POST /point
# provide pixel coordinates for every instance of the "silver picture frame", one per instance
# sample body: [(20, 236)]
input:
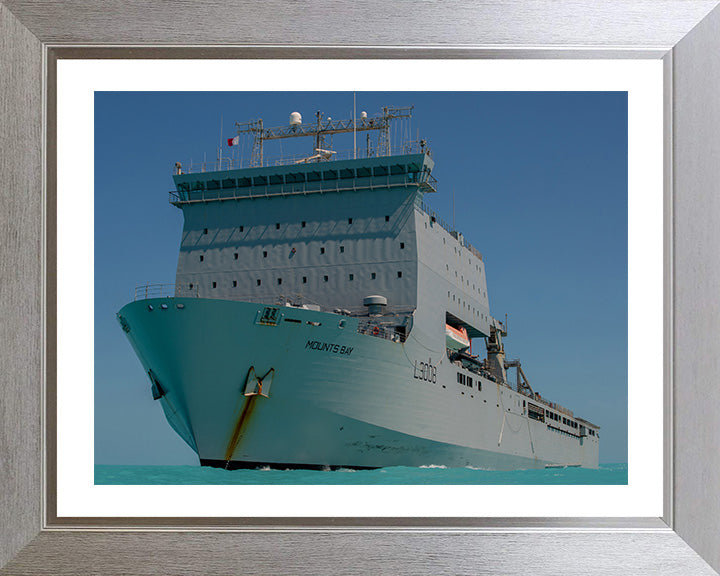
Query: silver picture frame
[(684, 34)]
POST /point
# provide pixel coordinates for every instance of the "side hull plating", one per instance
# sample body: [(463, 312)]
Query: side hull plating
[(324, 395)]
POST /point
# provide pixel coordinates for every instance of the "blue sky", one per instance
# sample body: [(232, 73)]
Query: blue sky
[(540, 185)]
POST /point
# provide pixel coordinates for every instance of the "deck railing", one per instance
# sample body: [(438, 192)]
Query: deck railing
[(225, 163), (449, 229)]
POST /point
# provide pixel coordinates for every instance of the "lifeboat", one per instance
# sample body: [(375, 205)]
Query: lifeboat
[(456, 338)]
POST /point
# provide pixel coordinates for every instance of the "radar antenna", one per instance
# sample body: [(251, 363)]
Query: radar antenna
[(321, 128)]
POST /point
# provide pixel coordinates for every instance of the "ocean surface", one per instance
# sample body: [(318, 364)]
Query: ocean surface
[(606, 474)]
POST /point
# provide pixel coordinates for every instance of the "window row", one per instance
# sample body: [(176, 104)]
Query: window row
[(236, 255), (303, 224), (558, 418), (326, 278), (467, 380)]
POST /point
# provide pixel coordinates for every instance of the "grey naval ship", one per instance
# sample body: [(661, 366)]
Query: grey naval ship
[(323, 317)]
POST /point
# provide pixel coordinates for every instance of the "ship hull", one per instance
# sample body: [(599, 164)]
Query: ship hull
[(331, 397)]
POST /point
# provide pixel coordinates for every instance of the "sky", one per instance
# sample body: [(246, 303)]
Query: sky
[(540, 183)]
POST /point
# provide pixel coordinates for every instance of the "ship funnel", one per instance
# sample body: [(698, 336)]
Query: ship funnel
[(375, 304), (295, 119)]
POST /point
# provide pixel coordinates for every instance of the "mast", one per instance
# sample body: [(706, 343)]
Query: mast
[(322, 128)]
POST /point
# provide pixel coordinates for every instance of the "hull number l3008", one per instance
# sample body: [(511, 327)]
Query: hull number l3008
[(425, 371)]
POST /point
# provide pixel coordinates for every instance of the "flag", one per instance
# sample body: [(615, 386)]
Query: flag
[(234, 141)]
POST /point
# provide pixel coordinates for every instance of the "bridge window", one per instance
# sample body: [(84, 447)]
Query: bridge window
[(279, 281), (351, 277), (259, 282), (234, 283), (277, 225), (402, 245), (325, 278), (205, 231), (302, 224), (342, 249), (349, 220), (387, 218), (399, 274), (373, 276), (304, 279), (242, 228), (214, 284), (202, 258), (322, 250), (190, 286), (264, 253), (235, 255)]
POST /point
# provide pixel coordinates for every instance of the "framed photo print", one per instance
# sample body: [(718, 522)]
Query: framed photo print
[(255, 291)]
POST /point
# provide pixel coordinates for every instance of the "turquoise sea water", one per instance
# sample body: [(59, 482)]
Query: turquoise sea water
[(606, 474)]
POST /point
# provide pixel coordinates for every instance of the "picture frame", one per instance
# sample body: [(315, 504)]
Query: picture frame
[(685, 35)]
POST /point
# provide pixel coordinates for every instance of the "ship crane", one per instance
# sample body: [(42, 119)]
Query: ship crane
[(523, 386), (320, 129)]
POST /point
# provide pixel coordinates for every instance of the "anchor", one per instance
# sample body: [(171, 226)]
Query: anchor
[(256, 385)]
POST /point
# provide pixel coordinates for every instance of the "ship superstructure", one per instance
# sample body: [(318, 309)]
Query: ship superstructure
[(322, 316)]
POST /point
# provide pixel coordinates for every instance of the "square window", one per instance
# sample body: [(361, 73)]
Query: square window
[(264, 254), (234, 283), (399, 274), (325, 278), (402, 245), (351, 277), (235, 255), (304, 279), (373, 275), (259, 282)]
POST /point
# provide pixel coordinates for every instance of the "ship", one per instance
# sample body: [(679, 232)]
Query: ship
[(323, 316)]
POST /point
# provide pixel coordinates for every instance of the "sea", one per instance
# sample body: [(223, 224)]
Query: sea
[(615, 474)]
